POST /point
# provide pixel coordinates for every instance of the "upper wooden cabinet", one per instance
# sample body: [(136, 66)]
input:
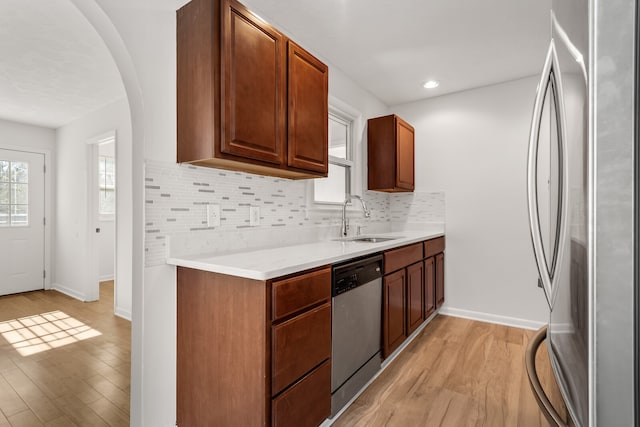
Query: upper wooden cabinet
[(308, 111), (249, 99), (390, 154)]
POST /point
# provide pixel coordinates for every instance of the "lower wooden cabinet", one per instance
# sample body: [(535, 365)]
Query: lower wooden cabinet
[(429, 286), (413, 289), (439, 280), (304, 404), (299, 345), (251, 352), (415, 296), (394, 329)]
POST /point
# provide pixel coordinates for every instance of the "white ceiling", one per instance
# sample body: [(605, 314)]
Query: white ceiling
[(393, 47), (54, 68)]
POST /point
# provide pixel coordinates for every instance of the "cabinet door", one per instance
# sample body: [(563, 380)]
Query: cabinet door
[(307, 111), (429, 286), (415, 286), (394, 312), (404, 155), (439, 280), (307, 403), (253, 86), (298, 345)]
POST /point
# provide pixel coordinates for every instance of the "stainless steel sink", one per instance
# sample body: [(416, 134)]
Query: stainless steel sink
[(370, 239)]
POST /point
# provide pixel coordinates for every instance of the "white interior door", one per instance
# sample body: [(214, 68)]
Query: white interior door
[(21, 221)]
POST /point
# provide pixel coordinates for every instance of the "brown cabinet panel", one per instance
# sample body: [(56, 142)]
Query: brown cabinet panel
[(234, 80), (394, 318), (222, 367), (253, 86), (391, 155), (299, 292), (399, 258), (439, 280), (197, 80), (433, 247), (300, 344), (308, 111), (307, 403), (429, 287), (415, 292), (404, 155)]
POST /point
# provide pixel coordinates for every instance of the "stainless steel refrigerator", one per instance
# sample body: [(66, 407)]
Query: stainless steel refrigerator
[(581, 183)]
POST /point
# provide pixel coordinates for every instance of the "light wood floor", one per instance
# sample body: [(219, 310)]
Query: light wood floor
[(457, 372), (63, 362)]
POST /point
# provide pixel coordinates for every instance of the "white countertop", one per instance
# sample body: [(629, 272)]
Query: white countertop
[(264, 264)]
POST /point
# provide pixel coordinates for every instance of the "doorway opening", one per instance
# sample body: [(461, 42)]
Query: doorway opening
[(88, 347)]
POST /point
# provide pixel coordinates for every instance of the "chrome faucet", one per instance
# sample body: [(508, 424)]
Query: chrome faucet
[(345, 225)]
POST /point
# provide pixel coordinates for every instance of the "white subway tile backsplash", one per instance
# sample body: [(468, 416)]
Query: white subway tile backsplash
[(177, 195)]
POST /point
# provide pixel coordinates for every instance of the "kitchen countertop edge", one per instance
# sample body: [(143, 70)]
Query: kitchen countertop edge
[(274, 262)]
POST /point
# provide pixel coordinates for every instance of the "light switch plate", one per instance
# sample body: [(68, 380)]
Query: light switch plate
[(254, 215), (213, 215)]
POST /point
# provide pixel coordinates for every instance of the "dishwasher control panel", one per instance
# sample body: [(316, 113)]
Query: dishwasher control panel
[(354, 273)]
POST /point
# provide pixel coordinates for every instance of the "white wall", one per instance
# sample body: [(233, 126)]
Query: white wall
[(473, 146), (75, 274), (27, 136), (40, 139), (106, 249)]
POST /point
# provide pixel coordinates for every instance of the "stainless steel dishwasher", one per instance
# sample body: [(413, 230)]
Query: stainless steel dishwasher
[(356, 327)]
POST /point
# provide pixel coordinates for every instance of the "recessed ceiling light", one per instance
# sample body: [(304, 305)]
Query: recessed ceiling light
[(431, 84)]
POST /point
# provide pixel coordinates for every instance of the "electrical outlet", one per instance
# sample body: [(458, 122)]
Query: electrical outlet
[(254, 215), (213, 215)]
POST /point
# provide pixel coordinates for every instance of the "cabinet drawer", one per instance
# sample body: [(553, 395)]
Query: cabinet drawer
[(306, 403), (433, 247), (296, 293), (402, 257), (300, 344)]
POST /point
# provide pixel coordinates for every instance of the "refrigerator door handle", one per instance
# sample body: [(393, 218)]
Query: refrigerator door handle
[(544, 403), (550, 78)]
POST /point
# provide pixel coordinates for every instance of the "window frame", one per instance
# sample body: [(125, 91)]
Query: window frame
[(106, 216), (346, 114), (11, 183)]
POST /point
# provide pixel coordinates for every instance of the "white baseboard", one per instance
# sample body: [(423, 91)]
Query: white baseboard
[(125, 314), (492, 318), (69, 292), (106, 278)]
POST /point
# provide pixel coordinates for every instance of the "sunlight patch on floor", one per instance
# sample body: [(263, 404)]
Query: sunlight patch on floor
[(41, 332)]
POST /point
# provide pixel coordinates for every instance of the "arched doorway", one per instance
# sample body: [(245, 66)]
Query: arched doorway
[(133, 210)]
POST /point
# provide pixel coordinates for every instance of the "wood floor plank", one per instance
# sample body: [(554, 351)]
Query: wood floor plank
[(31, 394), (10, 401), (118, 397), (3, 420), (63, 421), (78, 412), (457, 372), (110, 413), (84, 381), (25, 419)]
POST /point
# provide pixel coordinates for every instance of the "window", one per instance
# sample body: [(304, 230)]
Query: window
[(107, 185), (335, 187), (14, 193)]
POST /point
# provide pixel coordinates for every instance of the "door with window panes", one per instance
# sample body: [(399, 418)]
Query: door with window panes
[(21, 221)]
